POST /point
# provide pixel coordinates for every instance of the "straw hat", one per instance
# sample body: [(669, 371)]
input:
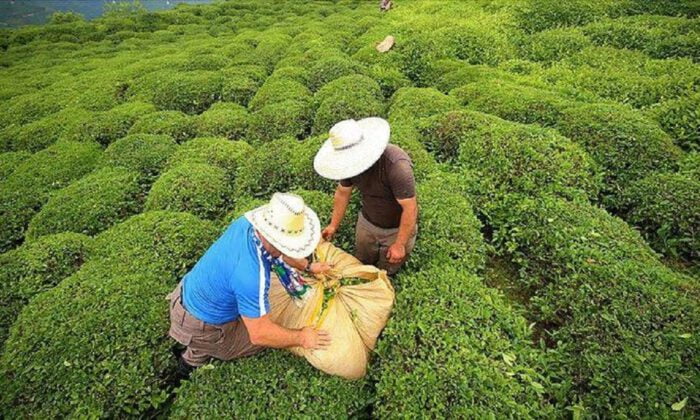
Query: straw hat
[(288, 224), (352, 147)]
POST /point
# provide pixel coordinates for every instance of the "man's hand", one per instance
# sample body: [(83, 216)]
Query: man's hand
[(396, 253), (320, 267), (313, 339), (329, 232)]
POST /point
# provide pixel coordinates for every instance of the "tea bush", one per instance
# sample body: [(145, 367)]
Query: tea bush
[(40, 134), (24, 192), (175, 124), (538, 15), (280, 90), (145, 153), (690, 165), (107, 126), (348, 97), (513, 101), (308, 392), (509, 160), (190, 92), (288, 118), (476, 43), (460, 349), (281, 165), (680, 118), (196, 188), (327, 69), (469, 74), (33, 268), (223, 119), (90, 205), (606, 303), (664, 206), (627, 145), (238, 89), (554, 44), (9, 161), (409, 104), (225, 154)]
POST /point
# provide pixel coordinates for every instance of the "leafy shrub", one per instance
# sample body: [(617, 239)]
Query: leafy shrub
[(271, 48), (606, 303), (410, 103), (89, 205), (30, 107), (281, 165), (296, 73), (39, 134), (625, 144), (513, 102), (658, 36), (173, 123), (9, 161), (279, 90), (690, 165), (223, 119), (476, 43), (281, 119), (196, 188), (24, 191), (222, 153), (390, 79), (34, 268), (539, 15), (145, 153), (469, 74), (108, 126), (445, 238), (554, 44), (309, 393), (160, 242), (347, 97), (509, 160), (680, 118), (208, 62), (191, 92), (330, 68), (460, 350), (665, 208), (238, 89)]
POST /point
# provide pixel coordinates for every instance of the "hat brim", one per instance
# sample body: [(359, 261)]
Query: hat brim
[(295, 246), (342, 164)]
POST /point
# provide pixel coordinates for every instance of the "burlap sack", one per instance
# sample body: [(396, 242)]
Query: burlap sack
[(354, 315)]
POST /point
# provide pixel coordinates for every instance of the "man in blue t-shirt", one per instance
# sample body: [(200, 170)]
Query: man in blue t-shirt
[(221, 307)]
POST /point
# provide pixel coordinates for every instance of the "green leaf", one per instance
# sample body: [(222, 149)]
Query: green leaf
[(680, 404)]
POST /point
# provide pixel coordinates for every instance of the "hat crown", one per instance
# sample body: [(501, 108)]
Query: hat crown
[(285, 213), (345, 134)]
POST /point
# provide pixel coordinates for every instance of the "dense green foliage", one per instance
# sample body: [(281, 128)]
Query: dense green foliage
[(90, 205), (558, 139), (36, 267)]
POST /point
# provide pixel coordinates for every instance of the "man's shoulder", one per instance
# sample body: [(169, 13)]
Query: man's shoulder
[(394, 153)]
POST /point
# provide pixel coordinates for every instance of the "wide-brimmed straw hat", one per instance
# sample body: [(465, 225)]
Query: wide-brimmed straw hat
[(352, 147), (288, 224)]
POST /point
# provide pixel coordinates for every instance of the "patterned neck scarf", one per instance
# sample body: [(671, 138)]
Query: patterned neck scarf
[(290, 279)]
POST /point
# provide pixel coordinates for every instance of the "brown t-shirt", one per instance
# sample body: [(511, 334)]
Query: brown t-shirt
[(389, 179)]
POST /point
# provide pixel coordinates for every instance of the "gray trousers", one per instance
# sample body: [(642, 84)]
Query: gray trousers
[(372, 243)]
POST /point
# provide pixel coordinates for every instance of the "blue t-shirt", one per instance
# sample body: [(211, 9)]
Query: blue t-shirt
[(230, 280)]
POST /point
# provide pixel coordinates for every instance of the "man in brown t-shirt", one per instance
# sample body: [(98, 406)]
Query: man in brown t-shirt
[(358, 155)]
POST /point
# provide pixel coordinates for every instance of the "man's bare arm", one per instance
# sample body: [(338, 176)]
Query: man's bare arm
[(264, 332), (340, 205), (409, 217)]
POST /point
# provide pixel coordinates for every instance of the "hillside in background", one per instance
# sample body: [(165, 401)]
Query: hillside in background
[(556, 148)]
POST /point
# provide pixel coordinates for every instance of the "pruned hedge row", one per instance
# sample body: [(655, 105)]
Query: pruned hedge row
[(274, 384), (144, 153), (622, 326), (9, 161), (680, 118), (35, 267), (24, 191), (107, 126), (91, 204), (347, 97), (128, 371), (508, 160), (220, 152), (455, 348)]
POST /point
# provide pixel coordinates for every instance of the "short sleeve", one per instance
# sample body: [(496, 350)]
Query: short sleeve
[(252, 292), (401, 179), (346, 182)]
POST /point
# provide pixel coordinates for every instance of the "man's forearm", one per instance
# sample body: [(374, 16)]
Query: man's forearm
[(298, 263), (278, 337), (409, 217), (340, 205)]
